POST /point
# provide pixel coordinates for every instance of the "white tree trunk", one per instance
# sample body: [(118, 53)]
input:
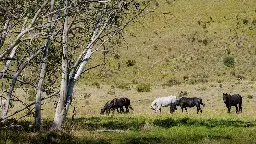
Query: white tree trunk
[(81, 62), (15, 77), (42, 75), (60, 109)]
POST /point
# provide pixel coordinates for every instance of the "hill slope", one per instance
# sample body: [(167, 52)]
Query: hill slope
[(185, 41)]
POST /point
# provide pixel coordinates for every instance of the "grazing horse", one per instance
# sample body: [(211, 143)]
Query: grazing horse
[(185, 102), (233, 100), (107, 107), (115, 104), (119, 103), (164, 102)]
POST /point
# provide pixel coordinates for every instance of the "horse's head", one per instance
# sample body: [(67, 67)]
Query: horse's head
[(225, 97), (102, 111), (177, 102), (153, 107)]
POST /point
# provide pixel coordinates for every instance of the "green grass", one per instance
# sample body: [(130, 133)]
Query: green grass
[(142, 129)]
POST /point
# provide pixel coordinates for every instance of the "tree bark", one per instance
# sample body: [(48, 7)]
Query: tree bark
[(4, 33), (42, 74), (60, 109)]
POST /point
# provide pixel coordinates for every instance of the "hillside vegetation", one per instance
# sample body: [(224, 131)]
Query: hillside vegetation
[(181, 41)]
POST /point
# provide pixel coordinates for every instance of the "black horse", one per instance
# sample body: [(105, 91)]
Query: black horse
[(185, 102), (122, 102), (233, 100), (118, 104), (107, 107)]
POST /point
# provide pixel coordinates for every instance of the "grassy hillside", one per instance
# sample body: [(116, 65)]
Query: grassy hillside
[(185, 42)]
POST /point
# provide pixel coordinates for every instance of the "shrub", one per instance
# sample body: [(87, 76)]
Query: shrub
[(130, 63), (125, 86), (250, 96), (229, 61), (143, 87), (96, 84), (181, 94), (112, 90), (172, 82)]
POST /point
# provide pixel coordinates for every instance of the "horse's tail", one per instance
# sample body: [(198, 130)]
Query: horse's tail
[(131, 107)]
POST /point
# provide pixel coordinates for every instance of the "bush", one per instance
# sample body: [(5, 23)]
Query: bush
[(250, 96), (229, 61), (96, 84), (143, 87), (125, 86), (172, 82), (130, 63)]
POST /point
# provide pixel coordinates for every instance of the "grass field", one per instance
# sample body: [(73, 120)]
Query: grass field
[(142, 125), (178, 45)]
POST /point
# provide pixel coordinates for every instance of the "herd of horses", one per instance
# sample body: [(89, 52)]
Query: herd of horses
[(172, 102)]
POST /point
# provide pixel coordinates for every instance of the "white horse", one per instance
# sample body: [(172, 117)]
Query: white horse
[(164, 102)]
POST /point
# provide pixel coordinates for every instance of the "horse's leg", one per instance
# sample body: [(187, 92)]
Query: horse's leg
[(117, 110), (240, 107), (229, 109), (181, 109), (236, 109), (171, 109), (197, 109), (121, 110), (127, 109), (186, 109)]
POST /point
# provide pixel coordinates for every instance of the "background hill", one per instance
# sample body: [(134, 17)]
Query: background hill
[(181, 41)]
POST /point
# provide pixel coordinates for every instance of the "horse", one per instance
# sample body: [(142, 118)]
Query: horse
[(107, 107), (164, 102), (233, 100), (118, 104), (185, 102)]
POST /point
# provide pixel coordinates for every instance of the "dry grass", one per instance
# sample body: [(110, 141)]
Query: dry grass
[(211, 93), (185, 38)]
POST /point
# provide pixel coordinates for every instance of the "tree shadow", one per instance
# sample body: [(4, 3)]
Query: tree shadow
[(121, 123), (170, 122)]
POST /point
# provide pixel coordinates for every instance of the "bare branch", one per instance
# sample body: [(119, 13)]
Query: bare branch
[(29, 105)]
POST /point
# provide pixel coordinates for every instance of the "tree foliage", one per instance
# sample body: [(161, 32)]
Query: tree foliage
[(46, 45)]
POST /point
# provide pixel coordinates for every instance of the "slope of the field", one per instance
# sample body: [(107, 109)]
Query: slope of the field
[(185, 41)]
